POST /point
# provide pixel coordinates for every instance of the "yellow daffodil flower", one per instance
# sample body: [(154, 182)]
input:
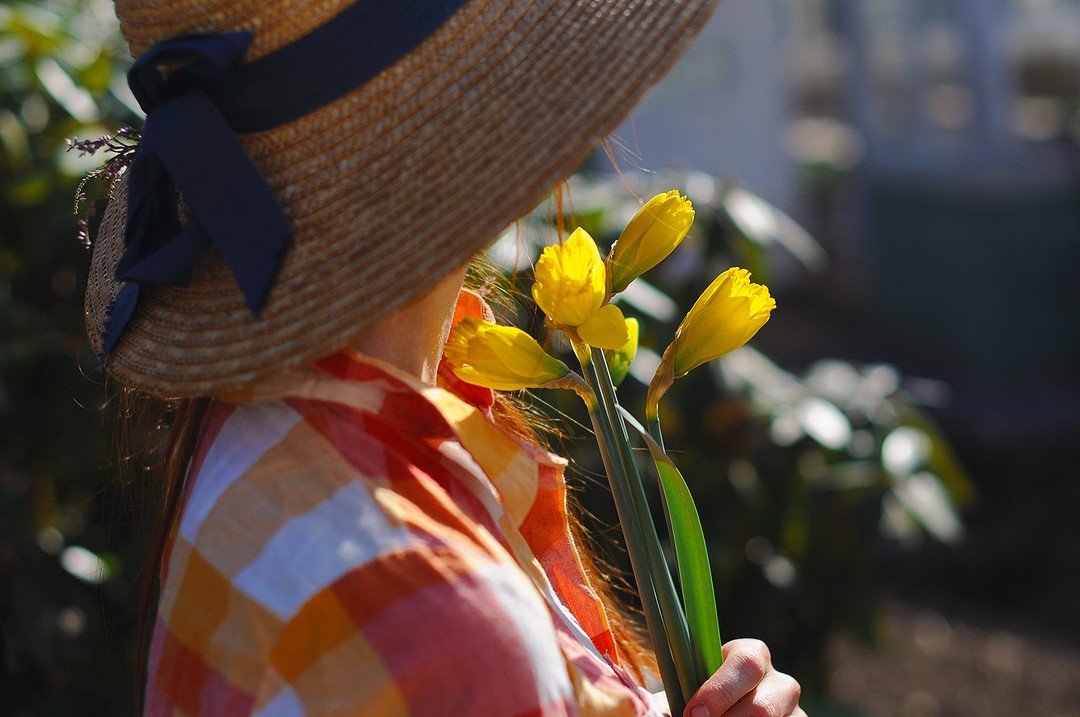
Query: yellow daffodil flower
[(726, 315), (571, 289), (620, 359), (501, 357), (653, 233)]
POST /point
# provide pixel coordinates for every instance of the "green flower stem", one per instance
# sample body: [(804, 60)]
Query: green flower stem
[(675, 632), (635, 548), (653, 417)]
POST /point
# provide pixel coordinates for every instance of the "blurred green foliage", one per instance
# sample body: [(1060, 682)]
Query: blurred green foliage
[(65, 612)]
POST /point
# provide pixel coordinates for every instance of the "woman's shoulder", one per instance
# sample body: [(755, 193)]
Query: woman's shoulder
[(307, 550), (282, 492), (285, 496)]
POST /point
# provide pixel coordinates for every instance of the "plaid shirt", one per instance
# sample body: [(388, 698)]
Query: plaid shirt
[(353, 542)]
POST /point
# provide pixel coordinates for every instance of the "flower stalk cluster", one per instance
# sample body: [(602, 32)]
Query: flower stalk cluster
[(574, 287), (121, 148)]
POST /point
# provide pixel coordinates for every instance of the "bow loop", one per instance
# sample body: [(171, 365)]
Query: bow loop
[(181, 64)]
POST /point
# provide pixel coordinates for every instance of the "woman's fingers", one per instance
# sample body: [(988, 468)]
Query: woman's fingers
[(746, 662), (746, 685), (777, 695)]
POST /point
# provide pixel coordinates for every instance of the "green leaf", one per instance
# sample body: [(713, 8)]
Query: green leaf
[(692, 557)]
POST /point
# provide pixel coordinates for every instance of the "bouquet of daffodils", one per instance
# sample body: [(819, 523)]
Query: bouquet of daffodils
[(574, 287)]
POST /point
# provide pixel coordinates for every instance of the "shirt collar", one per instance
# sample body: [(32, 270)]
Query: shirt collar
[(347, 363), (452, 409)]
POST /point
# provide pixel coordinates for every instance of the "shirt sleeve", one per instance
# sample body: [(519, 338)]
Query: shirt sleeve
[(658, 702), (429, 630)]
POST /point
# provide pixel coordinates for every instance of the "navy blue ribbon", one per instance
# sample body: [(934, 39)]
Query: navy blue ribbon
[(187, 146), (197, 94)]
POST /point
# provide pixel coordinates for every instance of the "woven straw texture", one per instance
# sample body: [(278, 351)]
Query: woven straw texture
[(392, 186)]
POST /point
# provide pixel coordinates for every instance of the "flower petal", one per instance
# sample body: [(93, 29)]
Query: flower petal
[(654, 232), (500, 357), (720, 328), (570, 280), (605, 329), (726, 315)]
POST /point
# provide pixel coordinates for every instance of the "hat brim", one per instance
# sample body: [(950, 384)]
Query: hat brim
[(398, 183)]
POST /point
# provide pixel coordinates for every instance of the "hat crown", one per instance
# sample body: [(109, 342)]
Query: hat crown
[(275, 23)]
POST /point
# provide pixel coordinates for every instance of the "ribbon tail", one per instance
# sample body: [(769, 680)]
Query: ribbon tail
[(152, 218), (172, 263), (231, 200), (117, 315)]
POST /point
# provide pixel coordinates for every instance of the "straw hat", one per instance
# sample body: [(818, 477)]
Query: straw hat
[(390, 186)]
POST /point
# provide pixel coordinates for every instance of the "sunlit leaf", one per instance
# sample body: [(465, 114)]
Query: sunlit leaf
[(84, 565), (905, 450), (97, 75), (15, 141), (824, 422), (925, 498), (765, 225), (942, 460), (650, 301), (692, 556), (61, 87)]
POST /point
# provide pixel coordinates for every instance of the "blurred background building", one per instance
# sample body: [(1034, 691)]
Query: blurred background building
[(932, 147), (889, 480)]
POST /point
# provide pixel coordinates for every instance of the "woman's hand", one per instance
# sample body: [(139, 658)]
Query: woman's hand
[(747, 685)]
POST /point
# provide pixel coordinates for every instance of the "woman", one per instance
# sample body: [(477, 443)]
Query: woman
[(285, 256)]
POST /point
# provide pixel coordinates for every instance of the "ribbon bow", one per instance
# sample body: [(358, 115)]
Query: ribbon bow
[(188, 146)]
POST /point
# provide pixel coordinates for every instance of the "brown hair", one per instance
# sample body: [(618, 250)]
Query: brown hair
[(159, 437)]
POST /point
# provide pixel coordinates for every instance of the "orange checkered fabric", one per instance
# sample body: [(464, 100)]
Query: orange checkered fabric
[(353, 542)]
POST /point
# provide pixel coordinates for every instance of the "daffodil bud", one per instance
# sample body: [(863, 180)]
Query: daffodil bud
[(620, 359), (571, 289), (501, 357), (726, 315), (651, 235)]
